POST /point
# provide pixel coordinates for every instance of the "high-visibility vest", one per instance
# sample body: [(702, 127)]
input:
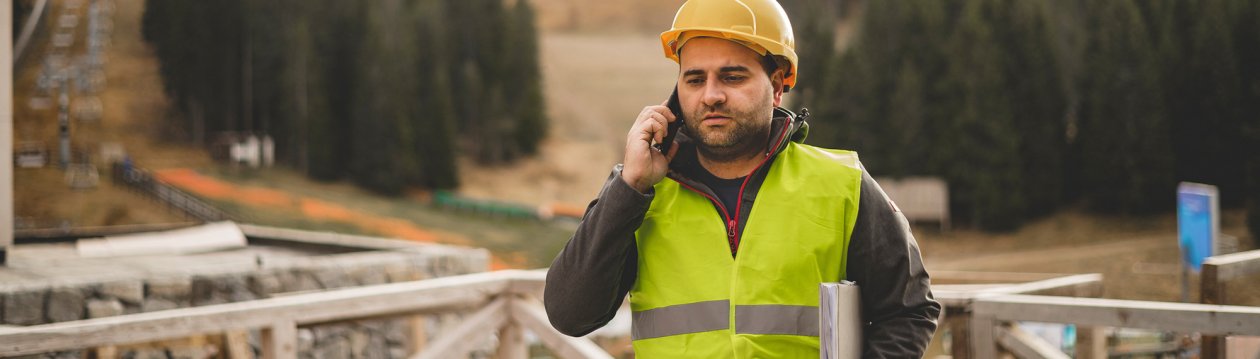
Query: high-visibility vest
[(693, 300)]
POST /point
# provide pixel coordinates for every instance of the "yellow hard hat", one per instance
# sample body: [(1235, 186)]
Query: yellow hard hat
[(762, 25)]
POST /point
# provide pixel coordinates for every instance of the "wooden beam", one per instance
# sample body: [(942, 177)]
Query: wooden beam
[(1091, 342), (107, 352), (279, 341), (456, 342), (1025, 345), (6, 130), (975, 277), (352, 303), (1088, 285), (1235, 265), (529, 313), (237, 343), (959, 335), (1179, 317), (419, 334), (983, 338), (512, 343), (1218, 271)]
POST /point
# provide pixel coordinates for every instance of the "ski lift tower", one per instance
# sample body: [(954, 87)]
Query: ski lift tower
[(6, 129)]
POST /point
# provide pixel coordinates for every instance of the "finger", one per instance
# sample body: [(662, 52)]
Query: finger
[(660, 126), (666, 112)]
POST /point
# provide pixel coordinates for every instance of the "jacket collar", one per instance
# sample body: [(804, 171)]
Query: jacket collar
[(786, 126)]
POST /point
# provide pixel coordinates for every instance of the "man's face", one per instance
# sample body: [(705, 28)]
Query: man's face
[(726, 97)]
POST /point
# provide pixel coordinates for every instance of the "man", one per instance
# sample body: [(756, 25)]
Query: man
[(721, 242)]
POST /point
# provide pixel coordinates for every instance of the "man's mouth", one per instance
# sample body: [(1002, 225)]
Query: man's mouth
[(715, 118)]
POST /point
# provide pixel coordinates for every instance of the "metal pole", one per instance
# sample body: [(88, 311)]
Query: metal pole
[(6, 129)]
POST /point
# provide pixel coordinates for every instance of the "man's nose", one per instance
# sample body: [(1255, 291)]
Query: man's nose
[(714, 93)]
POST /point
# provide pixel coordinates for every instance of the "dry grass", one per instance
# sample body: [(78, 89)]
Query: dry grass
[(595, 84)]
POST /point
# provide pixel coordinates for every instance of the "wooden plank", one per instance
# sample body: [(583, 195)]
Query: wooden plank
[(208, 237), (237, 343), (512, 343), (1179, 317), (1091, 342), (983, 339), (397, 298), (6, 131), (1212, 291), (1025, 345), (456, 342), (279, 341), (326, 238), (419, 334), (959, 336), (1089, 285), (107, 352), (529, 283), (1235, 265), (529, 313), (975, 277)]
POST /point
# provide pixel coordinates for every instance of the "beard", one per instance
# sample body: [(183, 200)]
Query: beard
[(746, 135)]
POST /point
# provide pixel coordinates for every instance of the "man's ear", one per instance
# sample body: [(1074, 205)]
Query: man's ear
[(776, 84)]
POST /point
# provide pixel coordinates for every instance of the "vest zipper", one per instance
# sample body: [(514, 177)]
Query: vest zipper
[(732, 233), (732, 222)]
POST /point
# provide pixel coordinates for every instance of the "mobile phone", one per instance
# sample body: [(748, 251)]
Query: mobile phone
[(673, 128)]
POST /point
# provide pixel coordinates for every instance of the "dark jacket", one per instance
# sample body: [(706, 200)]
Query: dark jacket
[(589, 279)]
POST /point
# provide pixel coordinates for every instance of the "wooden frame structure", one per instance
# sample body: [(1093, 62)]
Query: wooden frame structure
[(505, 301), (1218, 271), (963, 289), (981, 313)]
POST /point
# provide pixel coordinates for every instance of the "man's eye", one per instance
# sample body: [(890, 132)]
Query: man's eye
[(695, 80), (733, 78)]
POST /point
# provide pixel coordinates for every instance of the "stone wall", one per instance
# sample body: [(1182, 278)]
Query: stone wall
[(274, 277)]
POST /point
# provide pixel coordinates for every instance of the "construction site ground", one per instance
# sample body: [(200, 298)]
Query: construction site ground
[(595, 84)]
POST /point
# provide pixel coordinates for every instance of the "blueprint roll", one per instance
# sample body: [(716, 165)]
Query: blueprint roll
[(840, 321)]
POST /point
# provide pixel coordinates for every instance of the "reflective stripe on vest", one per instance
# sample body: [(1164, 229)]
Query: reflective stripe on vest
[(681, 319), (714, 315)]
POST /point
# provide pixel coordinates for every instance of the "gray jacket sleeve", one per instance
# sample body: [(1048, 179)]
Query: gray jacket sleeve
[(897, 305), (590, 277)]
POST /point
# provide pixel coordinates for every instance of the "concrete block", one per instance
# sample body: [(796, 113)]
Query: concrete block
[(71, 354), (66, 304), (100, 308), (305, 339), (156, 304), (129, 291), (263, 285), (371, 275), (146, 353), (177, 288), (333, 278), (24, 308), (336, 349), (300, 281), (403, 273), (193, 352)]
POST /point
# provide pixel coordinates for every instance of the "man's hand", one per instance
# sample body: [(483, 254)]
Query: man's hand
[(644, 166)]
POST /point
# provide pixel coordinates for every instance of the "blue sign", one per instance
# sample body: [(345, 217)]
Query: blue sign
[(1197, 222)]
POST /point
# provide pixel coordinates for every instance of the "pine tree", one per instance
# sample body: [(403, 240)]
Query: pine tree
[(1125, 154)]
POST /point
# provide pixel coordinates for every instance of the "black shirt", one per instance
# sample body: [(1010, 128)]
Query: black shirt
[(727, 190)]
